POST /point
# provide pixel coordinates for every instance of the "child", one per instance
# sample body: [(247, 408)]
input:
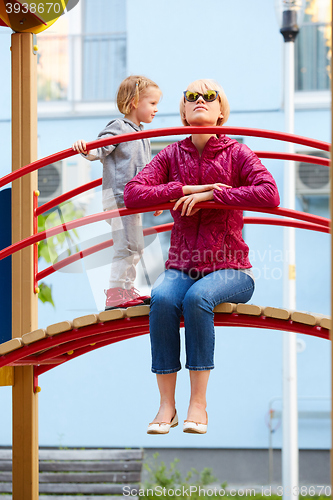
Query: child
[(137, 99)]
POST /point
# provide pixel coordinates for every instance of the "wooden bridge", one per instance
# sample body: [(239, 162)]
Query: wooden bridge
[(58, 343)]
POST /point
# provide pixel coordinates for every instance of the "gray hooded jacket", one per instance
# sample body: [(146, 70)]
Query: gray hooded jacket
[(121, 162)]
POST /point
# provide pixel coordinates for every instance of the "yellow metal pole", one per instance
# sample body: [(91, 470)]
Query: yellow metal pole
[(24, 300), (6, 376)]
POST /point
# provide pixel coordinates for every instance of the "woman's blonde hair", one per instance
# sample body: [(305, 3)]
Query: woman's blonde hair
[(133, 87), (201, 86)]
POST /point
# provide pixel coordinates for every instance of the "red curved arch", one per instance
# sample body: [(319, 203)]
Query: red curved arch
[(167, 227), (55, 350), (90, 219), (98, 182)]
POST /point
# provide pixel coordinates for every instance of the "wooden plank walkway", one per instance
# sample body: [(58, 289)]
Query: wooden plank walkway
[(60, 342)]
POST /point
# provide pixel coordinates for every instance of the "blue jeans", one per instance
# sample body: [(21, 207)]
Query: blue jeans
[(176, 294)]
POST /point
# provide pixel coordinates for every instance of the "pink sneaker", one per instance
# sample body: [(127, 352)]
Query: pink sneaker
[(119, 297), (134, 294)]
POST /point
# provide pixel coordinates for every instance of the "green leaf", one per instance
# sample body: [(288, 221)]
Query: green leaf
[(44, 253), (45, 294), (61, 238), (51, 248)]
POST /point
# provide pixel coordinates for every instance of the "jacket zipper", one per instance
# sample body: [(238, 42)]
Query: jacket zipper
[(199, 217)]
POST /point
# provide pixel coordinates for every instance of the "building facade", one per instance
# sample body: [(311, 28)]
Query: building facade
[(106, 398)]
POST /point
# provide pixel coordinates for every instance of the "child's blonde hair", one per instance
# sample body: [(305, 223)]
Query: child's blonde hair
[(133, 87), (201, 86)]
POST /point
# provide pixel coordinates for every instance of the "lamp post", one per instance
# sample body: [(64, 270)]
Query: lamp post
[(290, 14)]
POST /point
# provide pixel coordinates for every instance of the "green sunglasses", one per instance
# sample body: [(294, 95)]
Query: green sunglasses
[(208, 96)]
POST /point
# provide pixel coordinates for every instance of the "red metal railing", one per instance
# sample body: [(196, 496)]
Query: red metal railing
[(167, 227), (304, 221), (164, 132), (98, 182), (52, 351), (90, 219)]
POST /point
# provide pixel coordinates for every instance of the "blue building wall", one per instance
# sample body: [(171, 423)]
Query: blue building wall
[(106, 398)]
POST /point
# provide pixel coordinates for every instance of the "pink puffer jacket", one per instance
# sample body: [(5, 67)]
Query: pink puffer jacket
[(211, 239)]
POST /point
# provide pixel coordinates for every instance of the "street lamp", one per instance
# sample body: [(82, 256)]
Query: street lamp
[(290, 15)]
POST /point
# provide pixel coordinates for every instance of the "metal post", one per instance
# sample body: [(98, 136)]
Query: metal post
[(24, 299), (270, 451), (289, 407)]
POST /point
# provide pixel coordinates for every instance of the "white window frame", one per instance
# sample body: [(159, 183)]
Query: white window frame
[(316, 99)]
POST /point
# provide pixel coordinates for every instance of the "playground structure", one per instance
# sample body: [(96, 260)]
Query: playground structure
[(33, 351), (40, 350)]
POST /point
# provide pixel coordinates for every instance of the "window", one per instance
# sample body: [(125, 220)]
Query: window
[(312, 50), (83, 59), (103, 49)]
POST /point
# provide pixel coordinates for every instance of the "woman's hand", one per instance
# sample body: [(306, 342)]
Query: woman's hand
[(80, 146), (196, 194), (191, 200), (201, 188), (158, 212)]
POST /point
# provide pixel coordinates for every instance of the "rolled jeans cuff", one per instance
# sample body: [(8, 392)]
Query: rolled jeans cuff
[(165, 372), (199, 368)]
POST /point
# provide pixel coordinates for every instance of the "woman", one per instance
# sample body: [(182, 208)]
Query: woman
[(208, 258)]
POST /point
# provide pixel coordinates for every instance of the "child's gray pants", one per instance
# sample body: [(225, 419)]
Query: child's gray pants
[(128, 246)]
